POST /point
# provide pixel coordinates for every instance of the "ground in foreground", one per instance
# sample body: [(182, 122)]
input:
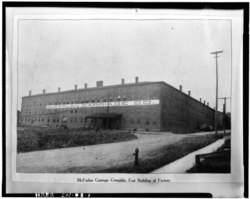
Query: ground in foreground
[(93, 158), (158, 157), (42, 138), (156, 149)]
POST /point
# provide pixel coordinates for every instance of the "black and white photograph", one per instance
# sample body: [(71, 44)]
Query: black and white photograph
[(104, 95), (146, 93)]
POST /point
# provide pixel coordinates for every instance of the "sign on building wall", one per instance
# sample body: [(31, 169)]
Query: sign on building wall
[(105, 104)]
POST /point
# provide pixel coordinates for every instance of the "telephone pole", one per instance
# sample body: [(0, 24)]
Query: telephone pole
[(224, 111), (107, 125), (216, 98)]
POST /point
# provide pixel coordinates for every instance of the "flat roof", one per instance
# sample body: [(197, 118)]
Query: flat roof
[(118, 86), (96, 88)]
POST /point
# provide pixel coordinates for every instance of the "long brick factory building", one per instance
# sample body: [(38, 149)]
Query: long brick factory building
[(153, 106)]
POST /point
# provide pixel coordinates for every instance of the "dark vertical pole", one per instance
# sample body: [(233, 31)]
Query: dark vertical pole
[(224, 112), (225, 101), (197, 161), (224, 115), (108, 111), (216, 99), (136, 154)]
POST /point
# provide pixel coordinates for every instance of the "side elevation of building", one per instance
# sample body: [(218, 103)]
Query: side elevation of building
[(124, 106), (182, 113), (153, 106)]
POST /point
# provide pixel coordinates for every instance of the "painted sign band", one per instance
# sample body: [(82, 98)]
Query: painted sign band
[(105, 104)]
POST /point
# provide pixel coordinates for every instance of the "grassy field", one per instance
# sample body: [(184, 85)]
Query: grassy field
[(215, 165), (35, 139), (161, 156)]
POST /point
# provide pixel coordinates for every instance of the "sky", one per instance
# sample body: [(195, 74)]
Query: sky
[(62, 53)]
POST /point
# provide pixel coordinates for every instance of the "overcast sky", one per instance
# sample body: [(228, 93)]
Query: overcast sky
[(53, 53)]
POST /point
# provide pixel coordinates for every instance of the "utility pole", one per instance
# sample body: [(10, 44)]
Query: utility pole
[(97, 122), (216, 98), (224, 111), (107, 111)]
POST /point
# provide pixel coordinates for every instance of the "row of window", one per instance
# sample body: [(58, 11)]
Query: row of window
[(83, 110), (71, 120), (48, 120), (139, 122)]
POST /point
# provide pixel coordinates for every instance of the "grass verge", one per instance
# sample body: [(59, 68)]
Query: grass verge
[(157, 158), (35, 139)]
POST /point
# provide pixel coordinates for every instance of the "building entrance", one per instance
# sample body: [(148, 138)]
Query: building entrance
[(104, 121)]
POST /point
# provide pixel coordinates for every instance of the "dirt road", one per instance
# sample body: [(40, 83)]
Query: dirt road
[(92, 157)]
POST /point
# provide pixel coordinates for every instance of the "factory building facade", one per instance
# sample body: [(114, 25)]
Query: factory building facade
[(153, 106)]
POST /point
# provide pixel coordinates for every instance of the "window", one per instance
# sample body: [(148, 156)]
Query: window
[(104, 100), (147, 122), (75, 111), (154, 122), (138, 121), (48, 120), (97, 100), (54, 120), (71, 120), (124, 99), (57, 120)]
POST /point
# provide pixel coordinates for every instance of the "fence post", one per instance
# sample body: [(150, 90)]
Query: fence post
[(197, 161)]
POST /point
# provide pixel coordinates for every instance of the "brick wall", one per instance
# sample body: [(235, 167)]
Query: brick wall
[(182, 113), (34, 110), (177, 111)]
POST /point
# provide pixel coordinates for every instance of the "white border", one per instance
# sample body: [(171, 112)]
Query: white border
[(236, 175)]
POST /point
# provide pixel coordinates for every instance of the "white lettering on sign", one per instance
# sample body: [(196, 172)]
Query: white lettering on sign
[(105, 104)]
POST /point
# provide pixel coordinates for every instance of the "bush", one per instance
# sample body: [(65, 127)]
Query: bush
[(34, 139)]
